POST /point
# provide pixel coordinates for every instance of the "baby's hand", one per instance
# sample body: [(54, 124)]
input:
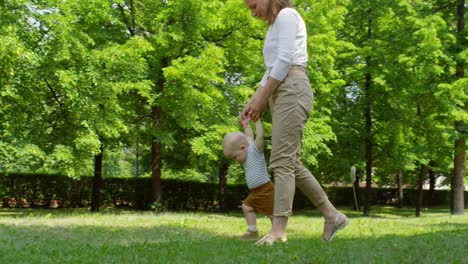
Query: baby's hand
[(243, 120)]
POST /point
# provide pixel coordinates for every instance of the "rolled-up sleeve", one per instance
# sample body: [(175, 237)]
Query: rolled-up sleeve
[(286, 25)]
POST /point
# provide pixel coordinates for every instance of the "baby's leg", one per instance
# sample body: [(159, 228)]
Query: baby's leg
[(250, 217)]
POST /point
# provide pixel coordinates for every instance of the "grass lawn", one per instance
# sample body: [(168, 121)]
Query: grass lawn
[(76, 236)]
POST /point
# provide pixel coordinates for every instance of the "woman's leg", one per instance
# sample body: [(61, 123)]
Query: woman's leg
[(308, 184), (290, 108), (311, 188), (334, 219)]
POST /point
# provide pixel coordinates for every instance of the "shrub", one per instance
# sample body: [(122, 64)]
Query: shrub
[(51, 191)]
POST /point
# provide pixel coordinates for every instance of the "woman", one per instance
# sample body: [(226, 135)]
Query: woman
[(285, 85)]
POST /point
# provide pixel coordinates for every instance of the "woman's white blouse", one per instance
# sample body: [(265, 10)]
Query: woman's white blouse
[(285, 45)]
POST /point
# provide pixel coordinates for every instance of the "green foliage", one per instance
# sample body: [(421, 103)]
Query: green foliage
[(157, 207), (61, 160), (79, 77), (185, 175), (21, 158), (402, 48), (190, 94)]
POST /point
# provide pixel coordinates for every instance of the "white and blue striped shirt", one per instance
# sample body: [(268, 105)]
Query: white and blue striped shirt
[(256, 173)]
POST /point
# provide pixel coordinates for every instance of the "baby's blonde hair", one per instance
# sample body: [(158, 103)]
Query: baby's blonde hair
[(233, 140)]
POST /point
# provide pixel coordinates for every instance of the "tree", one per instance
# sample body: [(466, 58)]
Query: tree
[(75, 91), (393, 79), (82, 82), (323, 19), (453, 90), (457, 184), (188, 72)]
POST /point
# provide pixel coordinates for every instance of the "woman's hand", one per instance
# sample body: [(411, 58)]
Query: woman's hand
[(257, 103), (244, 115), (256, 108), (245, 112)]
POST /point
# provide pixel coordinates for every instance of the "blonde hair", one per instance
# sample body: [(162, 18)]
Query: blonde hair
[(233, 140), (275, 7)]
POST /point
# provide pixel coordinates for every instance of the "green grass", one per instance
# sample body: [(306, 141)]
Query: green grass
[(76, 236)]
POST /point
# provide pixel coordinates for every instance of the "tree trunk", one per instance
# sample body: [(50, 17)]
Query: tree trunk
[(422, 175), (400, 189), (138, 196), (156, 159), (368, 143), (368, 117), (137, 161), (457, 184), (432, 182), (156, 147), (223, 171), (97, 182)]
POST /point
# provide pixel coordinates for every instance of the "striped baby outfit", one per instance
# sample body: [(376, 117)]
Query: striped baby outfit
[(256, 173)]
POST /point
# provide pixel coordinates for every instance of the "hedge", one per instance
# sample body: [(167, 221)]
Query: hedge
[(51, 191)]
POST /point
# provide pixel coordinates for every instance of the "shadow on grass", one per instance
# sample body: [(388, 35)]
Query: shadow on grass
[(177, 242), (377, 211), (381, 212), (63, 212), (26, 212)]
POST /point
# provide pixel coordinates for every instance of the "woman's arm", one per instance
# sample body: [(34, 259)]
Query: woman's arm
[(259, 100), (286, 25)]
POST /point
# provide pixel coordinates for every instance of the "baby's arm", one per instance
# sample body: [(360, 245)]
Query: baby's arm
[(247, 129), (259, 138)]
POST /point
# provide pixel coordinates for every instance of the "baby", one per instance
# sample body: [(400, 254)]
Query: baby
[(248, 151)]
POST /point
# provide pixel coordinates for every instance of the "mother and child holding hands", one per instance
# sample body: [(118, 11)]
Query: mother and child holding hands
[(285, 87)]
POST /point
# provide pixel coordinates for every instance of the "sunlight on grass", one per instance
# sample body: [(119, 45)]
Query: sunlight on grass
[(55, 236)]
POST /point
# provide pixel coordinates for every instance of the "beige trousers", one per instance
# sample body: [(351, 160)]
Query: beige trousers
[(290, 106)]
